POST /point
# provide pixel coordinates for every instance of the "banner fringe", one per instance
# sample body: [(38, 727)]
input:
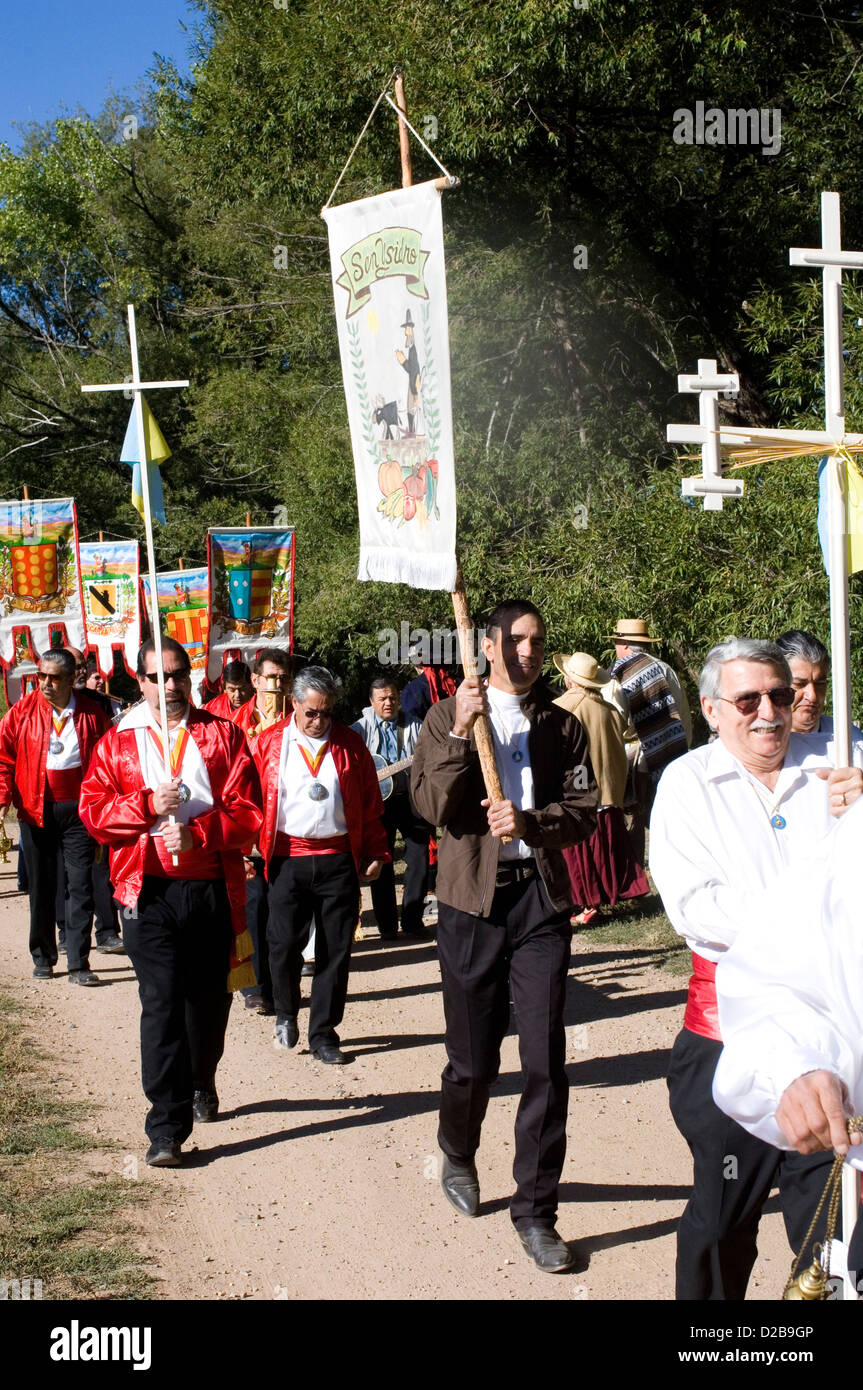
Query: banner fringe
[(419, 571)]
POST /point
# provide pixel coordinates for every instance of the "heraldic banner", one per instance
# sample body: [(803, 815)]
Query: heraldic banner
[(184, 614), (40, 586), (110, 580), (389, 284), (251, 593)]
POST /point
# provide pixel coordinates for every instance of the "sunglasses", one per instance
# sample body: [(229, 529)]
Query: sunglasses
[(181, 675), (51, 676), (782, 696), (318, 713)]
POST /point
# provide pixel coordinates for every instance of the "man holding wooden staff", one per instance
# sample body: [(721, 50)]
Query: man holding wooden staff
[(504, 910)]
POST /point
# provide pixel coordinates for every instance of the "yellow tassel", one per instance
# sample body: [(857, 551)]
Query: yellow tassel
[(241, 977), (243, 946)]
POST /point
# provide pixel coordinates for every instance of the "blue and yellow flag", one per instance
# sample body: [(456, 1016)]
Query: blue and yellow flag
[(157, 452), (854, 504)]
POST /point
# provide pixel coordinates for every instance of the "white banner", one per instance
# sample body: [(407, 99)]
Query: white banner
[(389, 284)]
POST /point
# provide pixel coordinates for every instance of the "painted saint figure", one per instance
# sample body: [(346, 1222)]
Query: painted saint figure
[(410, 361)]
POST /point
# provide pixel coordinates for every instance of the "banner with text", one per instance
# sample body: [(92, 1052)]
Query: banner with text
[(389, 284)]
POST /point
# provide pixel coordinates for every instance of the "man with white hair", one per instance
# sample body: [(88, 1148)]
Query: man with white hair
[(323, 835), (731, 821)]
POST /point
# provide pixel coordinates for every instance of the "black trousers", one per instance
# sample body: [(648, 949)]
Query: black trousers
[(733, 1173), (304, 889), (61, 832), (257, 914), (523, 946), (399, 814), (179, 941)]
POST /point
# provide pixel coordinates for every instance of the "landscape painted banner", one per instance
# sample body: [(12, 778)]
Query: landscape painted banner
[(110, 585), (251, 593), (184, 614), (389, 285), (40, 586)]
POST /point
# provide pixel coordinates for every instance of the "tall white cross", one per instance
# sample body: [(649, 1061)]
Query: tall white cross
[(831, 257), (707, 384), (136, 386)]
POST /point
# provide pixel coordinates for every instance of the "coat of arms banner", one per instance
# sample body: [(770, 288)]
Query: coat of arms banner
[(40, 586), (183, 614), (110, 585), (251, 593), (389, 284)]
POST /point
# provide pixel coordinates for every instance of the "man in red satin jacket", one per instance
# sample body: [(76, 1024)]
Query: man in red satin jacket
[(46, 743), (177, 847)]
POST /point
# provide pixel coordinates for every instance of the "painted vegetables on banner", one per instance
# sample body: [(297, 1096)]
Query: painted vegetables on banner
[(389, 285), (251, 592), (40, 586), (110, 584)]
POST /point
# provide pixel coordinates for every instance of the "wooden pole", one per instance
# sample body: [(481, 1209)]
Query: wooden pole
[(464, 626), (101, 538), (404, 135), (248, 518), (25, 489), (180, 564)]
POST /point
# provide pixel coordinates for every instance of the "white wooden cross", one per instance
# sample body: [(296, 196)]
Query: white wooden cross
[(832, 258), (136, 386), (707, 384)]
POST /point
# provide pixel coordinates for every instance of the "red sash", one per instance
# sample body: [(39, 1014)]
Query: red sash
[(63, 784), (702, 1014), (287, 845)]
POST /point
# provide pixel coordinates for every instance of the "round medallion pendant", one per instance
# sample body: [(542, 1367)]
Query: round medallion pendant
[(318, 792), (778, 822), (183, 793)]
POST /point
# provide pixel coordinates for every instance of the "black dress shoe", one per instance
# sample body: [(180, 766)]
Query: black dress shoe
[(43, 972), (545, 1247), (205, 1107), (460, 1186), (164, 1153), (287, 1033), (111, 946), (331, 1054), (266, 1007), (83, 977)]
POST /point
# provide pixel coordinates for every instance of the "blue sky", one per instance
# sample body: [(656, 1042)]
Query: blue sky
[(59, 55)]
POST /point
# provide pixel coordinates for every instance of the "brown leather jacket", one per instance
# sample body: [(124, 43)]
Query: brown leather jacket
[(447, 787)]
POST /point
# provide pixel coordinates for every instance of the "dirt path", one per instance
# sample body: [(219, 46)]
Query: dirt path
[(322, 1182)]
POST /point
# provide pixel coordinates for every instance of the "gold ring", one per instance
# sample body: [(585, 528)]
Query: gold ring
[(844, 802)]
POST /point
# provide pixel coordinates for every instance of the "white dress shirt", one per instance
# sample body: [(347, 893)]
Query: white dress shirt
[(69, 754), (791, 994), (714, 855), (297, 813), (193, 771), (510, 728)]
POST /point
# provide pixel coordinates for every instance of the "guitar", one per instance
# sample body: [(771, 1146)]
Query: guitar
[(387, 771)]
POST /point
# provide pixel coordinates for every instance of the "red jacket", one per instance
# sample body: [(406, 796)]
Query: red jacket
[(221, 706), (24, 735), (358, 783), (115, 805)]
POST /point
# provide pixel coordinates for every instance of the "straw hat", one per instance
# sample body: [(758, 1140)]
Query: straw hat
[(631, 630), (582, 669)]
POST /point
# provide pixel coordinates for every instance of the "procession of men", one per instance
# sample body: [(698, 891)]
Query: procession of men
[(244, 865)]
